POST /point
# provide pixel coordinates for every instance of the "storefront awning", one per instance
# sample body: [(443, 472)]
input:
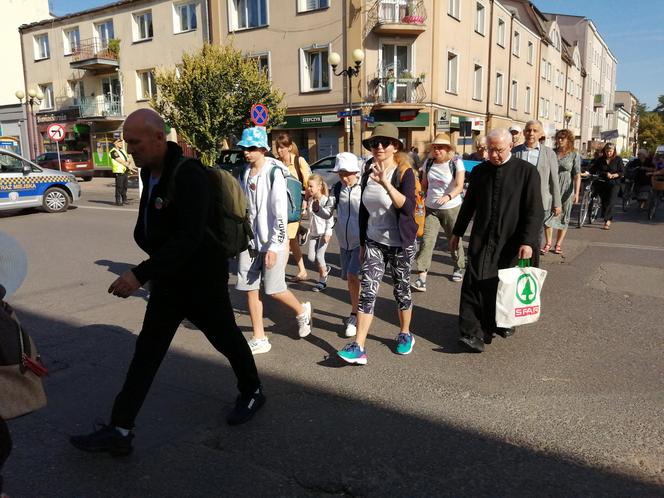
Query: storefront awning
[(310, 121)]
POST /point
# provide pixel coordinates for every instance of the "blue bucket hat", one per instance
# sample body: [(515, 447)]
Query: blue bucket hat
[(254, 137)]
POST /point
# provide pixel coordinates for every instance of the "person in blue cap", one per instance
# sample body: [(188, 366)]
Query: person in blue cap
[(265, 260)]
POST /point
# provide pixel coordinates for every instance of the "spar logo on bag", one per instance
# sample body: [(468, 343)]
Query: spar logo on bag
[(526, 294)]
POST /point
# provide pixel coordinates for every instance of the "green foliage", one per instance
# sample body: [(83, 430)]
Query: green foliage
[(114, 47), (651, 130), (211, 98)]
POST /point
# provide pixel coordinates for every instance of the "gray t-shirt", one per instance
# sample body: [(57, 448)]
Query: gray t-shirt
[(383, 226)]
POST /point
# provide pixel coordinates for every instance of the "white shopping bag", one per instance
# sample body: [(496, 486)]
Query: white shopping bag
[(518, 296)]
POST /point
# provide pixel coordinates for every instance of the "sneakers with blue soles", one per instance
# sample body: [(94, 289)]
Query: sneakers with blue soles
[(353, 353), (405, 343)]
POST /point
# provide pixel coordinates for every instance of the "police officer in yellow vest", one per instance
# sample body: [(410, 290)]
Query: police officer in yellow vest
[(120, 167)]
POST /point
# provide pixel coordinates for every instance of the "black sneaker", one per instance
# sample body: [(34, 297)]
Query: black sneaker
[(471, 344), (107, 439), (246, 407)]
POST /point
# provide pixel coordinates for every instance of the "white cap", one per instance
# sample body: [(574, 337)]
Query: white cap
[(13, 264), (346, 161), (515, 128)]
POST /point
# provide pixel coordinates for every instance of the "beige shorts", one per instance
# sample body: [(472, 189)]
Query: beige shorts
[(251, 271)]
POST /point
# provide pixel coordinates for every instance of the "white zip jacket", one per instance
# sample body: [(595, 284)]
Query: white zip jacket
[(271, 208), (318, 225), (347, 227)]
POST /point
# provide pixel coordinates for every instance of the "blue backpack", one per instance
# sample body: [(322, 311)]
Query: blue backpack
[(294, 191)]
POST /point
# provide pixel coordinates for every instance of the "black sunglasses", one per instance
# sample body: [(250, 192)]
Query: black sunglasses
[(250, 149), (385, 142)]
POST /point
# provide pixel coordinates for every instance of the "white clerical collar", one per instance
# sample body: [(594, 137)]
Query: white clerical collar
[(508, 158)]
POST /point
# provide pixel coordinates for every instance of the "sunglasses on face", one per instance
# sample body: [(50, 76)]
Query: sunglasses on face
[(384, 142), (250, 149), (439, 147)]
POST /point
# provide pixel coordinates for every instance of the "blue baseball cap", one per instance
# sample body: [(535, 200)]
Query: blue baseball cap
[(254, 137)]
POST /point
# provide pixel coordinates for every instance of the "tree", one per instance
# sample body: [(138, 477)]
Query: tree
[(209, 98), (651, 130), (659, 108)]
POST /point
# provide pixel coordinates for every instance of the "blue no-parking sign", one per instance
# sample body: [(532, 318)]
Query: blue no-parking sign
[(259, 114)]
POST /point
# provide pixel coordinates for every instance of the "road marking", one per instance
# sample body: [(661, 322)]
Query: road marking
[(124, 210), (626, 246)]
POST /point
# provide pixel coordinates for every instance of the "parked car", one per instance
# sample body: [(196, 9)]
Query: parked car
[(76, 162), (324, 168), (23, 184), (232, 160)]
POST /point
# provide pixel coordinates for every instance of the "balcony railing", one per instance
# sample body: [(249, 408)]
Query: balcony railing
[(95, 54), (389, 90), (396, 17), (100, 106)]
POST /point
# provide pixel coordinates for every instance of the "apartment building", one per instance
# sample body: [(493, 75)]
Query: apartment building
[(96, 66), (629, 103), (13, 122), (600, 82)]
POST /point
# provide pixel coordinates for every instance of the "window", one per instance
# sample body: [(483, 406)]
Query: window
[(307, 5), (316, 70), (72, 40), (76, 91), (47, 101), (500, 34), (480, 14), (147, 86), (477, 82), (104, 34), (143, 26), (544, 108), (262, 61), (393, 10), (529, 98), (555, 38), (453, 8), (499, 89), (184, 18), (549, 70), (452, 72), (245, 14), (516, 44), (42, 50), (531, 53), (514, 96), (543, 68)]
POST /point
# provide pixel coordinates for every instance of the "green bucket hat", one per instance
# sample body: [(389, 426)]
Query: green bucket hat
[(386, 130)]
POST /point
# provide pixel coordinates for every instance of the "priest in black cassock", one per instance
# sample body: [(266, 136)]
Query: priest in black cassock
[(504, 201)]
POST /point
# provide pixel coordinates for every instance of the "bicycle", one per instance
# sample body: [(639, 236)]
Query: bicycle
[(655, 194), (629, 192), (591, 204)]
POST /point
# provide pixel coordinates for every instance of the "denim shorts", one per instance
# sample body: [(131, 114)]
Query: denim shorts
[(350, 262)]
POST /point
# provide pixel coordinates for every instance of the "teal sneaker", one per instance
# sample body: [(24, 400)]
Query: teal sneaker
[(353, 353), (405, 343)]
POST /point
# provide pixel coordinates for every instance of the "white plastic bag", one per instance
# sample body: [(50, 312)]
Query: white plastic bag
[(518, 297)]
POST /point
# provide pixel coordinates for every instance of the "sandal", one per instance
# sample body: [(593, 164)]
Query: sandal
[(558, 249), (545, 249), (607, 225)]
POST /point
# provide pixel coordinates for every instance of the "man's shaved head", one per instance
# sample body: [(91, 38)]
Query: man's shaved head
[(145, 136)]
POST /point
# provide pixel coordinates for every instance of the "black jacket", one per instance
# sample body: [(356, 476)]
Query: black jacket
[(601, 167), (505, 204), (180, 249)]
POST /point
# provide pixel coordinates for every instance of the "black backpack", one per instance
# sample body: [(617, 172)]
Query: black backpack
[(231, 229)]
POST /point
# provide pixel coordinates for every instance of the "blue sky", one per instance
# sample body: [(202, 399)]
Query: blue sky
[(633, 30)]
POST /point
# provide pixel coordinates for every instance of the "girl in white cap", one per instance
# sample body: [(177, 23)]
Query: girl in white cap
[(346, 195)]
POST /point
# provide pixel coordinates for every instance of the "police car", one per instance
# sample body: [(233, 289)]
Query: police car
[(23, 184)]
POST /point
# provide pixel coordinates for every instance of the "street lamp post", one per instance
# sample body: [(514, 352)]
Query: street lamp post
[(349, 72), (568, 118), (34, 97)]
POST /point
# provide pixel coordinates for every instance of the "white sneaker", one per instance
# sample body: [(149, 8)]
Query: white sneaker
[(351, 326), (304, 320), (259, 346)]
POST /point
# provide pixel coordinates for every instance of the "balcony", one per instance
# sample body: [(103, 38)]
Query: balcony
[(96, 55), (397, 17), (397, 93), (100, 107), (598, 100)]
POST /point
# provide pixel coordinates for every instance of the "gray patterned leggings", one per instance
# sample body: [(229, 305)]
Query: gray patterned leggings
[(376, 258)]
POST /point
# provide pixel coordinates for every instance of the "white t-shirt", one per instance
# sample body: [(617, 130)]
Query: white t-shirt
[(383, 226), (441, 182)]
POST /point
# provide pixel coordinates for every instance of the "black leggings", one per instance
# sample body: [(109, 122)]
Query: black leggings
[(5, 446)]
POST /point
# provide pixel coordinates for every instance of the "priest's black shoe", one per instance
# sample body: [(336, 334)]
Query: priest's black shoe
[(505, 333), (246, 407), (473, 344)]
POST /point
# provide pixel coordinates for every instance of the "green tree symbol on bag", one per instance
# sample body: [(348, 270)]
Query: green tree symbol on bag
[(526, 289)]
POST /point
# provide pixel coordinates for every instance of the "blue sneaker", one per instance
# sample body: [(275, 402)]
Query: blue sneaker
[(405, 343), (353, 353)]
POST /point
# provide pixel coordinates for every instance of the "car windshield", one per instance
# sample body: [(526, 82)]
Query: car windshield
[(10, 164)]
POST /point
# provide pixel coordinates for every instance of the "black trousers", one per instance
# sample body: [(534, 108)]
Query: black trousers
[(121, 184), (5, 446), (477, 305), (608, 192), (210, 309)]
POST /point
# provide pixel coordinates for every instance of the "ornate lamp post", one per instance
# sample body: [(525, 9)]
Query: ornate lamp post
[(568, 118), (34, 97), (349, 72)]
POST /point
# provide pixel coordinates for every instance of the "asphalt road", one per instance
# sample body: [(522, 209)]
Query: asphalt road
[(570, 406)]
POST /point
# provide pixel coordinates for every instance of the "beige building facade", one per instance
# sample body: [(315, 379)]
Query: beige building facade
[(99, 65)]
